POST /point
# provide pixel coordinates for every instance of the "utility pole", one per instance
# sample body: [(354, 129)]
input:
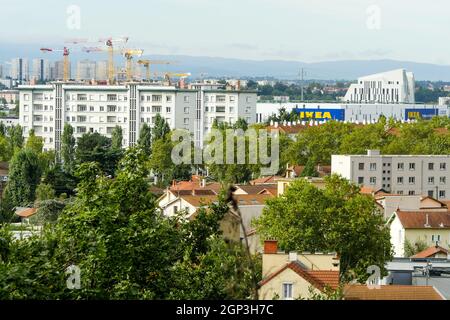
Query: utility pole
[(302, 74)]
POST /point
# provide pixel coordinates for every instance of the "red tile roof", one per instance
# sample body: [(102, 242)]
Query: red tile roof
[(430, 252), (391, 292), (418, 219), (259, 188), (27, 212), (242, 199), (265, 180), (318, 278)]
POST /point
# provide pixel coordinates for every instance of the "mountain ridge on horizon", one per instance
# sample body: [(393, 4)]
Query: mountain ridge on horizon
[(209, 66)]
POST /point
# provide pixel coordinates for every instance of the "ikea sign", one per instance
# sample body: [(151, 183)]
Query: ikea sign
[(320, 114), (420, 113)]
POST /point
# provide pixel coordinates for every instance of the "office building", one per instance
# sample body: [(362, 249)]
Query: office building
[(427, 175)]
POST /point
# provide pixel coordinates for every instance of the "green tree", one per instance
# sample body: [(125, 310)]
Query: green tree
[(93, 147), (160, 129), (16, 137), (310, 169), (24, 176), (48, 211), (116, 138), (44, 192), (335, 219), (145, 139), (5, 150), (68, 148), (412, 249), (34, 143)]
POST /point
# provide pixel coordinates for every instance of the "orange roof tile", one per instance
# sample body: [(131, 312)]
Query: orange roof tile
[(242, 199), (265, 180), (430, 252), (318, 278), (391, 292), (25, 213), (418, 219)]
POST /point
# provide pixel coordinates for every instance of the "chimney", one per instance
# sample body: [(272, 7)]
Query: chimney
[(270, 246), (203, 183), (427, 225)]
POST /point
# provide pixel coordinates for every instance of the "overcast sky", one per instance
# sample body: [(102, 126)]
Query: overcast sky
[(303, 30)]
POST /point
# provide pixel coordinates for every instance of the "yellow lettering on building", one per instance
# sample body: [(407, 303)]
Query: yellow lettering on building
[(327, 115), (318, 114)]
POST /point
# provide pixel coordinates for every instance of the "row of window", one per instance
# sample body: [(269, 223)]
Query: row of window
[(152, 120), (109, 130), (38, 96), (158, 109), (92, 97), (400, 180), (430, 193), (109, 119), (38, 118), (401, 166), (85, 108), (159, 98)]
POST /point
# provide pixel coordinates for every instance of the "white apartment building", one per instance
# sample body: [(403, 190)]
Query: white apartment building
[(427, 175), (396, 86), (99, 108)]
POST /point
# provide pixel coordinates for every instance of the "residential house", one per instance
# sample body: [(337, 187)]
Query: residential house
[(256, 189), (250, 205), (392, 202), (432, 252), (4, 170), (294, 275), (431, 227)]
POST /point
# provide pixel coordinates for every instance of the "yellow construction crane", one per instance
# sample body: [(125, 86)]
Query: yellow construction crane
[(110, 43), (66, 62), (148, 63), (169, 75), (129, 54)]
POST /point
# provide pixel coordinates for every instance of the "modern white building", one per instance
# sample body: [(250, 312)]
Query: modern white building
[(99, 108), (396, 86), (20, 69), (427, 175)]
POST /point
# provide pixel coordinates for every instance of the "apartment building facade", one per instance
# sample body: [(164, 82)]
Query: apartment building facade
[(427, 175), (92, 108)]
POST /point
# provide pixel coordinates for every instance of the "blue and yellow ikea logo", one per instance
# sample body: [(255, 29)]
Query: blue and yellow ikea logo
[(321, 114)]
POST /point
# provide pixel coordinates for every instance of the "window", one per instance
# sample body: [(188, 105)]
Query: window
[(26, 97), (156, 109), (373, 166), (186, 120), (436, 237), (110, 119), (411, 192), (360, 180), (431, 166), (412, 166), (142, 98), (287, 291), (399, 180), (111, 108), (412, 180), (441, 193), (81, 129), (81, 108), (231, 109), (442, 166), (373, 180), (102, 108), (175, 209), (81, 118), (232, 98), (361, 166), (430, 193), (156, 98), (442, 180), (220, 98), (168, 98), (91, 108), (248, 99), (400, 192), (111, 97), (400, 166), (81, 97), (430, 180), (186, 109), (25, 108), (168, 109), (149, 109), (186, 98), (109, 130), (220, 109), (142, 109)]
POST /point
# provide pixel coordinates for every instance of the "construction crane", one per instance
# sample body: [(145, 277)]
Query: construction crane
[(169, 75), (129, 54), (110, 44), (66, 53), (148, 63)]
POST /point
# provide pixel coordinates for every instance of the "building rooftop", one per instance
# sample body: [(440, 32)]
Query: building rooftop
[(424, 219), (430, 252), (391, 292)]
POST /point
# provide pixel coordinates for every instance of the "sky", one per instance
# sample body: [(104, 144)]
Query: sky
[(299, 30)]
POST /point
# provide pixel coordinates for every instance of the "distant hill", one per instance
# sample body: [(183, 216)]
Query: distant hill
[(226, 67)]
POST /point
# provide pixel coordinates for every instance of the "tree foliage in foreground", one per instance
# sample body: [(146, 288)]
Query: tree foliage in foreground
[(336, 219), (124, 247)]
